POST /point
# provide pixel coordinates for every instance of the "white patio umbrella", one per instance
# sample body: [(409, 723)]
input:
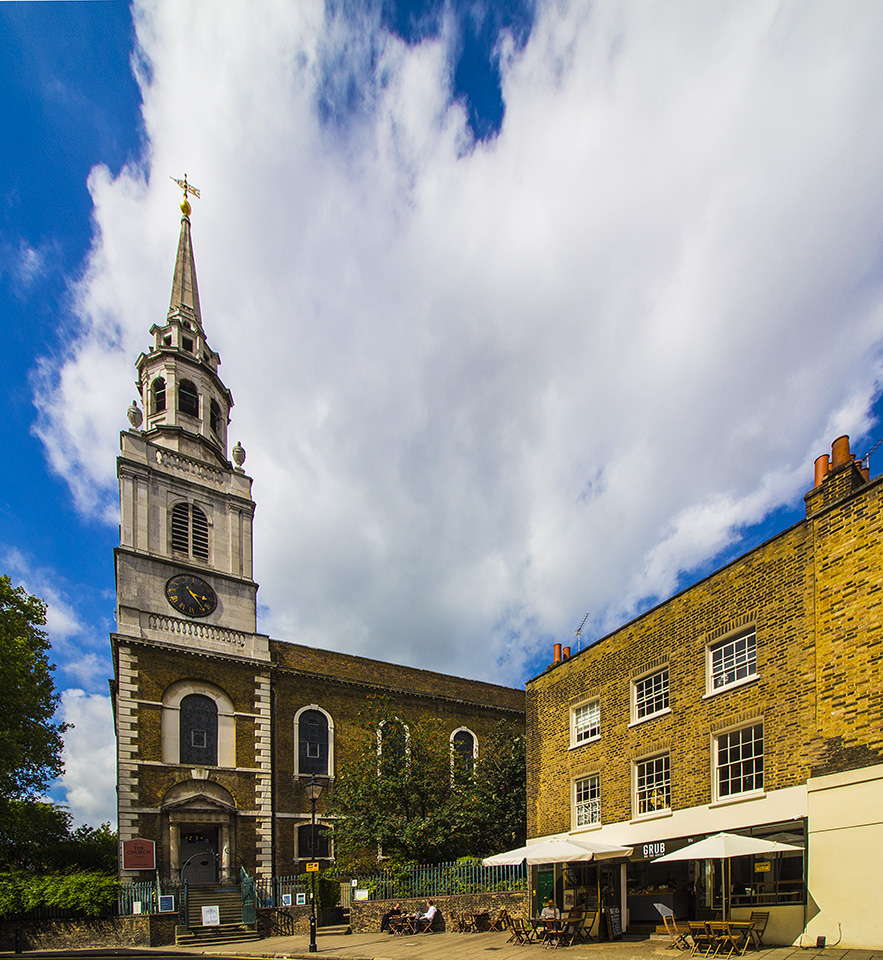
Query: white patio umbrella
[(724, 846), (558, 850)]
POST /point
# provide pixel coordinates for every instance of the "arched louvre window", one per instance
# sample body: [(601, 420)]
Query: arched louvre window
[(189, 531), (463, 753), (312, 745), (393, 747), (215, 417), (199, 730), (188, 398), (158, 395), (305, 848)]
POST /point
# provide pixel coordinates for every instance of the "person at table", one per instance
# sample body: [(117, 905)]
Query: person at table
[(394, 911), (431, 911), (550, 911)]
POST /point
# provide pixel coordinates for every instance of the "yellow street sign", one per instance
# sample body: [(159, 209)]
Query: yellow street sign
[(312, 868)]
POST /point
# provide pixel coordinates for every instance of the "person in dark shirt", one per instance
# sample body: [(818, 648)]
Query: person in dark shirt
[(394, 911)]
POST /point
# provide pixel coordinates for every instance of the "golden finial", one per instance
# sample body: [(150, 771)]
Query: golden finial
[(187, 188)]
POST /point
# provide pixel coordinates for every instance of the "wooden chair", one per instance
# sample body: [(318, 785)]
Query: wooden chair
[(759, 919), (703, 941), (521, 933), (678, 937), (424, 924), (500, 921), (724, 938), (584, 934), (569, 931)]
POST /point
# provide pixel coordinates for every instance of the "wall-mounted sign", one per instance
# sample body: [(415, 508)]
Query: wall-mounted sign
[(360, 894), (301, 899), (286, 899), (762, 866), (166, 904), (139, 854)]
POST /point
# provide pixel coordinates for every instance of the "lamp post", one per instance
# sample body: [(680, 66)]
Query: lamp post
[(313, 789)]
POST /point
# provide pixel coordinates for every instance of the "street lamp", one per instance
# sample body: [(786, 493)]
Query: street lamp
[(313, 789)]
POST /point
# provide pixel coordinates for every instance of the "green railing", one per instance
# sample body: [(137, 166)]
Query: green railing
[(443, 880), (147, 893)]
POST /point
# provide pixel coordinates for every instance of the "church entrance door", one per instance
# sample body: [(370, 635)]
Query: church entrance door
[(199, 854)]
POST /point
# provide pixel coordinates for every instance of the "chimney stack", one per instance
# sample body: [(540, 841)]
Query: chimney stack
[(556, 655), (567, 653)]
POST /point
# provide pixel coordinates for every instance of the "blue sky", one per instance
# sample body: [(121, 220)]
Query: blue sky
[(529, 309)]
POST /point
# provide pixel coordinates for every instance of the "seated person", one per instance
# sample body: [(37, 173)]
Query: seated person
[(550, 911), (394, 911), (431, 911)]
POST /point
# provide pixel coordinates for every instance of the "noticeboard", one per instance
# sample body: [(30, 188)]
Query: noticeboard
[(139, 854), (166, 904)]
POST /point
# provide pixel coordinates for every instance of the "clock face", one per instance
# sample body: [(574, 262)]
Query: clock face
[(191, 595)]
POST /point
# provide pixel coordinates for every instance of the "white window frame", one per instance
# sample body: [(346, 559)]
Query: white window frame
[(742, 665), (641, 794), (635, 702), (590, 806), (474, 746), (754, 790), (576, 740)]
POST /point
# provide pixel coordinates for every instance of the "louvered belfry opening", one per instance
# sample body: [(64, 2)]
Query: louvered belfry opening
[(189, 531)]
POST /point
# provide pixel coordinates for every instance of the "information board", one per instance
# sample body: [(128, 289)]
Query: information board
[(613, 917)]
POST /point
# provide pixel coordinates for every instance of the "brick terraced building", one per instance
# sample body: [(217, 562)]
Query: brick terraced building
[(751, 702), (219, 726)]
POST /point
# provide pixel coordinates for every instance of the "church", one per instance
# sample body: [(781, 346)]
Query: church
[(218, 726)]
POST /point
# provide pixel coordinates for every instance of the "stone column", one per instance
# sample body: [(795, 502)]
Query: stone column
[(174, 850)]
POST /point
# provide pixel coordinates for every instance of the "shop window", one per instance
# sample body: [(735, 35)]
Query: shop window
[(587, 801), (650, 695), (199, 730), (307, 849), (188, 398), (585, 722), (189, 531), (313, 729), (732, 662), (652, 784), (739, 762)]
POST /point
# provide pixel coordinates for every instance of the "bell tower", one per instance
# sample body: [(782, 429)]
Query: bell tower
[(184, 564)]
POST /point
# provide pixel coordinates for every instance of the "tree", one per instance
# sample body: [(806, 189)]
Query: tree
[(30, 742), (402, 794)]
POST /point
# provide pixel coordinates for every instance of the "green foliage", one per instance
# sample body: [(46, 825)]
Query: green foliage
[(89, 893), (410, 802), (30, 743), (327, 888)]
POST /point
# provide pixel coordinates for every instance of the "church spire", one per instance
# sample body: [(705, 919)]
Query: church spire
[(184, 302)]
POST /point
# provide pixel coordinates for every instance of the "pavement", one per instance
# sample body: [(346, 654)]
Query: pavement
[(480, 946)]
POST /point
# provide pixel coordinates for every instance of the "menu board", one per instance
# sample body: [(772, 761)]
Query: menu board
[(613, 917)]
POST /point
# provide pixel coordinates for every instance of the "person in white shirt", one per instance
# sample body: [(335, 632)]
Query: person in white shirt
[(431, 911), (550, 911)]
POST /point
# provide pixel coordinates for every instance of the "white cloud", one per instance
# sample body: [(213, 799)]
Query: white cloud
[(89, 779), (483, 390)]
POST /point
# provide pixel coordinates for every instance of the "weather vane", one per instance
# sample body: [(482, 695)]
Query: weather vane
[(187, 188)]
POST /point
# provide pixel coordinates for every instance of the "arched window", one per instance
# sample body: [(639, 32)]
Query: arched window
[(312, 743), (180, 700), (305, 848), (392, 747), (189, 531), (188, 398), (462, 753), (158, 395), (199, 730), (215, 418)]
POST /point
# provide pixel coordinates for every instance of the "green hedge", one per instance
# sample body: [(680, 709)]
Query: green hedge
[(90, 893)]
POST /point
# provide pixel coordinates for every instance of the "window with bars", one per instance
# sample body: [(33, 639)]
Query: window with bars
[(189, 531), (650, 694), (587, 801), (732, 661), (188, 398), (652, 785), (585, 722), (312, 736), (198, 720), (739, 761)]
